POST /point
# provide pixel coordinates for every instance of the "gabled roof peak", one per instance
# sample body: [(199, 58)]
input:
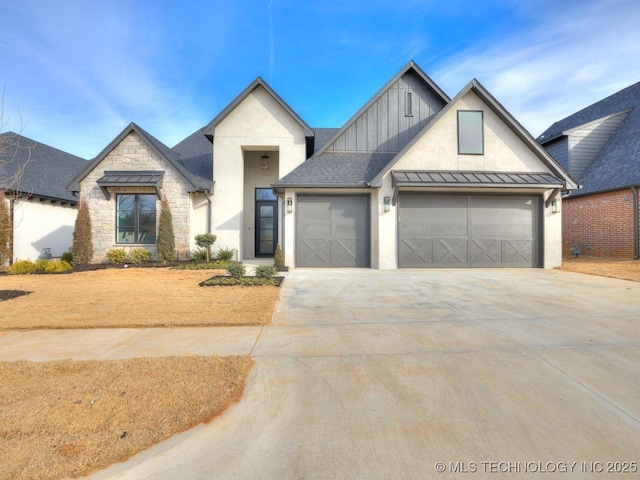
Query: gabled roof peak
[(209, 129), (410, 66), (156, 145)]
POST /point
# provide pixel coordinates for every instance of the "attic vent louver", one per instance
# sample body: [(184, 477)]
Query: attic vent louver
[(408, 112)]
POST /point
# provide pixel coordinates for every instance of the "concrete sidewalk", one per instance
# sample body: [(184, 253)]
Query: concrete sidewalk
[(370, 374), (105, 344)]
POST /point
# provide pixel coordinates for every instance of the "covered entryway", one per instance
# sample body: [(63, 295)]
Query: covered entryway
[(332, 231), (450, 230)]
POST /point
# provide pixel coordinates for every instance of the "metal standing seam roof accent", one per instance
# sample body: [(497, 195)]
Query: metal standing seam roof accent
[(417, 178), (130, 179)]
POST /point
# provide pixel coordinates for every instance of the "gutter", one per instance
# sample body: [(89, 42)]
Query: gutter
[(636, 229)]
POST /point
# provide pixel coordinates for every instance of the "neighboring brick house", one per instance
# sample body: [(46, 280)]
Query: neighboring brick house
[(600, 147)]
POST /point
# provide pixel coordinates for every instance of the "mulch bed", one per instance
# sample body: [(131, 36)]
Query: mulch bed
[(9, 294), (227, 281)]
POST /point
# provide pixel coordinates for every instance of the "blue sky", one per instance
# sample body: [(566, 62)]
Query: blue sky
[(76, 72)]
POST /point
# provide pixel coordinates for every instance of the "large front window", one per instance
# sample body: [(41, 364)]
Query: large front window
[(136, 219)]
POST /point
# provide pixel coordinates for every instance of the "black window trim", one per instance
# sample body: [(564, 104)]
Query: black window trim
[(136, 219)]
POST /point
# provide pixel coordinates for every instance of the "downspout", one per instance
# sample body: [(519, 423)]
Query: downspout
[(636, 229), (206, 195)]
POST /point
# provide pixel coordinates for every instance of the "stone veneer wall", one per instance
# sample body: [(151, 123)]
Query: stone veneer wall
[(134, 154)]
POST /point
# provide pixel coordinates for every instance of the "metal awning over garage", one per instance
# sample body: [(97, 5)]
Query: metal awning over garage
[(469, 179), (131, 179)]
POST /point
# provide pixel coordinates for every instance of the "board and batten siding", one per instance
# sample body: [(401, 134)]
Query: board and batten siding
[(585, 141), (385, 125)]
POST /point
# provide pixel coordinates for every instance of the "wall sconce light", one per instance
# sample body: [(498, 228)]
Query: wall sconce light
[(265, 161), (289, 204), (387, 204), (555, 206)]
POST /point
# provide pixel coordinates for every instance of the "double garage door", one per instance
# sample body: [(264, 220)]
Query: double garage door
[(434, 230), (332, 231), (468, 230)]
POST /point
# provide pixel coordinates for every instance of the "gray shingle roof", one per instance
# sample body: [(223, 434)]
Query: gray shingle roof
[(322, 136), (343, 169), (196, 155), (47, 170), (617, 164)]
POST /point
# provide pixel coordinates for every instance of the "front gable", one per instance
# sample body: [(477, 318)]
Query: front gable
[(437, 148), (507, 146), (259, 115)]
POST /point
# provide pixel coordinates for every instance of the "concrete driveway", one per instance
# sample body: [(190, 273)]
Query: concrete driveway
[(374, 374)]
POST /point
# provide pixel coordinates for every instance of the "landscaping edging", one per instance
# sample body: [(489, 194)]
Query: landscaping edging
[(227, 281)]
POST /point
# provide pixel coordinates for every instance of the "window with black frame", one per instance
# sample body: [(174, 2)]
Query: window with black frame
[(136, 218)]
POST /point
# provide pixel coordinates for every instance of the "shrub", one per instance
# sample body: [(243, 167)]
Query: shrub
[(5, 230), (199, 254), (236, 270), (82, 248), (265, 271), (278, 258), (139, 255), (40, 265), (117, 255), (226, 254), (21, 267), (67, 257), (206, 241), (57, 266), (166, 242)]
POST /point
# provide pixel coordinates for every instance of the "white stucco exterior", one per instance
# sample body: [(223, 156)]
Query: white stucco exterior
[(437, 149), (258, 124), (39, 225)]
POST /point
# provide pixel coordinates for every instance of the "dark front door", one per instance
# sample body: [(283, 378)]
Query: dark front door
[(266, 227)]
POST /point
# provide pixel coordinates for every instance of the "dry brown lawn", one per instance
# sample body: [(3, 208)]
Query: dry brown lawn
[(61, 419), (605, 267), (133, 297)]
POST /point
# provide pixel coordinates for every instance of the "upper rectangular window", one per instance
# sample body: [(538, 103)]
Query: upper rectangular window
[(136, 218), (470, 132)]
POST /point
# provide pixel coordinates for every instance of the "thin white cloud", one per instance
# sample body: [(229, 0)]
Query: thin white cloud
[(576, 55)]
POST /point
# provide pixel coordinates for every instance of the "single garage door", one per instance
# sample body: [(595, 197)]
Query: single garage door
[(468, 230), (332, 231)]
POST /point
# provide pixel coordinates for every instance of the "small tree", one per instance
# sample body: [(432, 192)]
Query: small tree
[(166, 243), (82, 248), (206, 240), (278, 258), (5, 230)]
